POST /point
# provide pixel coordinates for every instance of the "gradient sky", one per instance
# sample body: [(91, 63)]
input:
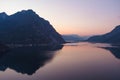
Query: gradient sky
[(83, 17)]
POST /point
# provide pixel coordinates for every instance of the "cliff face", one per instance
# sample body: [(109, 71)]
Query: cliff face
[(111, 37), (26, 27)]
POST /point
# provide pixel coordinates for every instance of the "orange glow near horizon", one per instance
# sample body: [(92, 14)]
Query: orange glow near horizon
[(84, 31)]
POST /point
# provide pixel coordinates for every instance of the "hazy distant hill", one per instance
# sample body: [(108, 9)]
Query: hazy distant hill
[(26, 27), (111, 37), (73, 38)]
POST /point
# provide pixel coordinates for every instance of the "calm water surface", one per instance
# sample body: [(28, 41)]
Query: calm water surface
[(74, 61)]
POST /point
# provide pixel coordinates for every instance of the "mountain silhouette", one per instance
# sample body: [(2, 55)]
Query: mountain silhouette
[(26, 27), (111, 37), (27, 60)]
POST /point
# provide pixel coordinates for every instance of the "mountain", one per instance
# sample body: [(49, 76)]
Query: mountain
[(3, 16), (26, 27), (73, 38), (111, 37)]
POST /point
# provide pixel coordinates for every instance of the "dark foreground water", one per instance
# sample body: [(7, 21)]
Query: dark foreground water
[(74, 61)]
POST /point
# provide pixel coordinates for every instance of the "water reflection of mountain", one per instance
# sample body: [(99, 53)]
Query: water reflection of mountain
[(27, 60), (115, 51)]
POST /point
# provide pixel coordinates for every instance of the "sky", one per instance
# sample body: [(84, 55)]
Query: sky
[(82, 17)]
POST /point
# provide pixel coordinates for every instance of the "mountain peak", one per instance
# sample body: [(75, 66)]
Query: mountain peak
[(117, 27), (29, 11), (27, 27), (24, 12), (3, 15), (25, 16)]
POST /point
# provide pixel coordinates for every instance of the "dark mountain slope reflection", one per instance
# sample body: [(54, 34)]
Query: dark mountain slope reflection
[(27, 60), (114, 50)]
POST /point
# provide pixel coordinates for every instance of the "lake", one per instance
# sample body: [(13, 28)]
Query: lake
[(73, 61)]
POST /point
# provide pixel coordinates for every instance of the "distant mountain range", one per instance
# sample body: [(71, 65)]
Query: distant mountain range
[(111, 37), (26, 27), (73, 38)]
